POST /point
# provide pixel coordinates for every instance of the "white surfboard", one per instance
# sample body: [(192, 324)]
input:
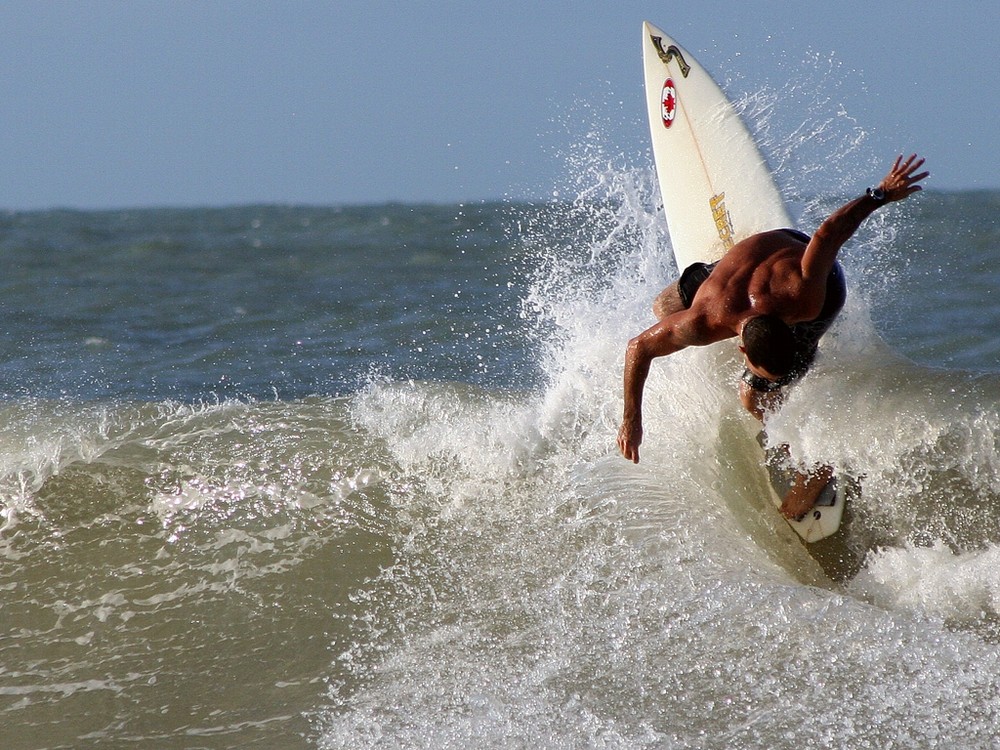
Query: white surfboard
[(826, 515), (715, 185)]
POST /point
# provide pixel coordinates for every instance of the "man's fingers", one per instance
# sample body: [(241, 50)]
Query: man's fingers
[(902, 178), (628, 450), (911, 168), (911, 182), (908, 167)]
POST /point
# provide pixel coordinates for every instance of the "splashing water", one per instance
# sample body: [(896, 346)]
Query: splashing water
[(549, 593)]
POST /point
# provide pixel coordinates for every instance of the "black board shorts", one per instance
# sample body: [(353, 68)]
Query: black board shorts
[(807, 334), (691, 280)]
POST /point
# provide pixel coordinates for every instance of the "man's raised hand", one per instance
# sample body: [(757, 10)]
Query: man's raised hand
[(902, 180)]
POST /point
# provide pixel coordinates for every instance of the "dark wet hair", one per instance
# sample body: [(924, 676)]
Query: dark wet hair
[(769, 344)]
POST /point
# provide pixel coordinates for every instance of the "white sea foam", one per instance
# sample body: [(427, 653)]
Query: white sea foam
[(550, 593)]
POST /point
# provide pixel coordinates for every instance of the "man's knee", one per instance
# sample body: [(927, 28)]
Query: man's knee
[(757, 402)]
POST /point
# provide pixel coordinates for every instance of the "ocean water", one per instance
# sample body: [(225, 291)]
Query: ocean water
[(294, 477)]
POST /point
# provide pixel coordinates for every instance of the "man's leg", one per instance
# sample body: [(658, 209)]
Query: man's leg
[(679, 295), (668, 302), (806, 488)]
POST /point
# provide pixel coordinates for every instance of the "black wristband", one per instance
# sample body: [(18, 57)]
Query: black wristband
[(876, 194)]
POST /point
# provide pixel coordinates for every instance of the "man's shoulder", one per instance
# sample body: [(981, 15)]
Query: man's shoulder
[(784, 236), (764, 250)]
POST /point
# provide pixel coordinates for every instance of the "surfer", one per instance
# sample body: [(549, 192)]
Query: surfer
[(777, 292)]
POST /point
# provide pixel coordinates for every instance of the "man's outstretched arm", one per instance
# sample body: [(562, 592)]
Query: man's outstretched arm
[(670, 335), (821, 253)]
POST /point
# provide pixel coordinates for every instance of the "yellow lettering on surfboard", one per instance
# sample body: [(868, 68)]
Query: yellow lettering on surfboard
[(723, 221)]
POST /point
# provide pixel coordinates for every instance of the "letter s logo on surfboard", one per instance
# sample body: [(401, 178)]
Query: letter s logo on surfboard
[(668, 103)]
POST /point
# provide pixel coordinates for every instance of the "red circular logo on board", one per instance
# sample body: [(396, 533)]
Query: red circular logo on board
[(668, 103)]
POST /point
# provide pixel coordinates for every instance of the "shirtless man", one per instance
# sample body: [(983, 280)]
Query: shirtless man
[(777, 292)]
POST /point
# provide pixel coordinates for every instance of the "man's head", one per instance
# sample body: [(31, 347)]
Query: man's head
[(769, 346)]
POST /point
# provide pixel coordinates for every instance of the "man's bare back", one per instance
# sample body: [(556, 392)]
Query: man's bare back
[(762, 275)]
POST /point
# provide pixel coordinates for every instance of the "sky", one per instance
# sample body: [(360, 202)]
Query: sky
[(181, 103)]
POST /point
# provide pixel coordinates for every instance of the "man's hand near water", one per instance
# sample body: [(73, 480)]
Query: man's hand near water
[(629, 439)]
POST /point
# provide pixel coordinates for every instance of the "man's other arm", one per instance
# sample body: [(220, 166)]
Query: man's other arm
[(821, 253), (670, 335)]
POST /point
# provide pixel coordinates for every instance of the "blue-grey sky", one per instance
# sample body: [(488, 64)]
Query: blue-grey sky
[(178, 103)]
